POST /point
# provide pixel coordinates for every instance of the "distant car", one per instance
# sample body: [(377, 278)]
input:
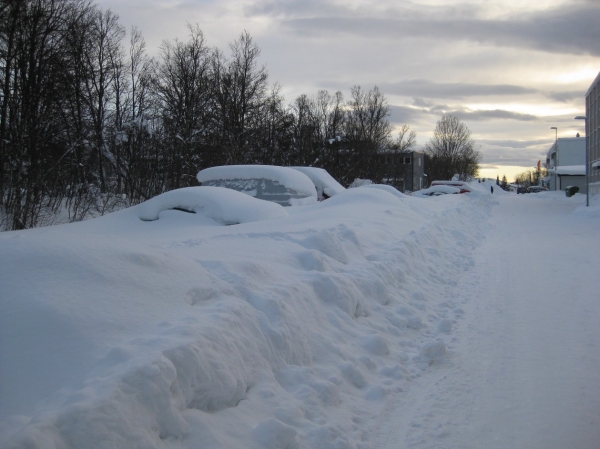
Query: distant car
[(461, 185), (534, 189), (437, 190)]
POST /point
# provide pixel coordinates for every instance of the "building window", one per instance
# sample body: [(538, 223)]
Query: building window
[(407, 160)]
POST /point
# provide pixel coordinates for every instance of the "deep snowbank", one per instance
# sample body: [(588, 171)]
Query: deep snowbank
[(119, 333)]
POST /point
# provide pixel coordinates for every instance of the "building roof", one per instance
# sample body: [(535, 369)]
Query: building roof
[(596, 81)]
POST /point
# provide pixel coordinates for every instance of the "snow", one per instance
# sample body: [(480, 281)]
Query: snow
[(368, 320)]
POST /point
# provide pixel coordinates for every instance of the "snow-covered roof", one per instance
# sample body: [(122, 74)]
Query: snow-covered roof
[(566, 170)]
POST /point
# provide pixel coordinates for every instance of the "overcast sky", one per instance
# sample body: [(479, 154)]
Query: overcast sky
[(510, 69)]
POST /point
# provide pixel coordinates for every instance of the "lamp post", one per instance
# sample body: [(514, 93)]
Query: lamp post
[(587, 170), (556, 158)]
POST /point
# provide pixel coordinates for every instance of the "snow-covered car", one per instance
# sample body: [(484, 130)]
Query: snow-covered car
[(325, 184), (224, 206), (437, 190), (283, 185), (461, 185)]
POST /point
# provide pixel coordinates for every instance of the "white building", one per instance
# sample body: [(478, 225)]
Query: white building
[(565, 162), (592, 132)]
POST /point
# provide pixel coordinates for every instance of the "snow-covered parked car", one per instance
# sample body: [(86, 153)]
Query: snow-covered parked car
[(437, 190), (461, 185), (282, 185), (324, 183), (386, 188), (224, 206)]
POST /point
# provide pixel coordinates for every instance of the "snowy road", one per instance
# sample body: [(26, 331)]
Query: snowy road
[(525, 365)]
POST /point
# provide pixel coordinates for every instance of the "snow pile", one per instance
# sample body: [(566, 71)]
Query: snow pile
[(184, 333)]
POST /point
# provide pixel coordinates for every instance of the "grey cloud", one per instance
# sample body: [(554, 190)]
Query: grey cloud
[(421, 103), (404, 114), (292, 8), (504, 157), (464, 113), (511, 143), (428, 89), (513, 152), (412, 114), (571, 29), (483, 115), (566, 97)]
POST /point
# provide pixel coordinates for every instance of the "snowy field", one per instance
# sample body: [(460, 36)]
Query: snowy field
[(369, 320)]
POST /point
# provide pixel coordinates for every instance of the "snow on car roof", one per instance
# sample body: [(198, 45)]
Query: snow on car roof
[(292, 179)]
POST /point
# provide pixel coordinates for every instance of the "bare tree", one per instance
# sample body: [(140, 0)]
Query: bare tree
[(32, 138), (306, 136), (275, 131), (240, 87), (183, 84), (405, 141), (367, 133), (452, 151), (140, 158), (101, 62)]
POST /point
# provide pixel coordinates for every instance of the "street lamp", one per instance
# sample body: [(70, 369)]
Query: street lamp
[(587, 170), (556, 157)]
